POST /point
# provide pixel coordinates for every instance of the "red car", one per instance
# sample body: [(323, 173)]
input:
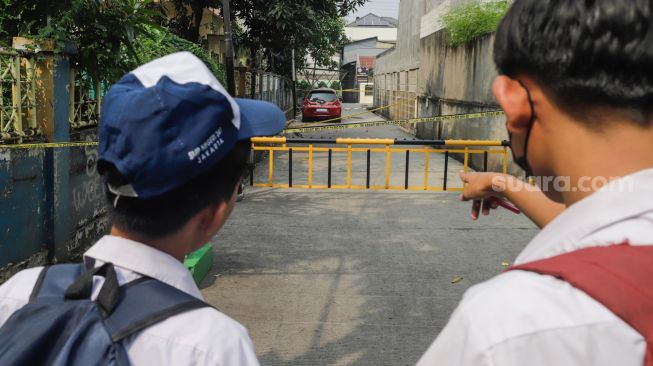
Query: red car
[(321, 104)]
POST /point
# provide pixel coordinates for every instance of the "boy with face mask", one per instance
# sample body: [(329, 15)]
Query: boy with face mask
[(576, 84)]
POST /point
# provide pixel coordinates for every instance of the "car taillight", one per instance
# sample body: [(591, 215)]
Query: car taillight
[(305, 101)]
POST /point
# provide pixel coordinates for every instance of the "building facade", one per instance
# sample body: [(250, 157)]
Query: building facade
[(368, 36), (423, 76), (358, 63), (370, 26)]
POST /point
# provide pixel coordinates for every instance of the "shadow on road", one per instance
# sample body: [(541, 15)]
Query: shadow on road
[(352, 278)]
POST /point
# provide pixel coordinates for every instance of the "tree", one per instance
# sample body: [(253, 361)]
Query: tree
[(160, 42), (23, 18), (100, 30), (304, 85), (310, 27), (185, 16)]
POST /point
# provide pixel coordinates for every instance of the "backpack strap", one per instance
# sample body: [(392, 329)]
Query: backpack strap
[(109, 293), (146, 302), (620, 277), (128, 309), (53, 281)]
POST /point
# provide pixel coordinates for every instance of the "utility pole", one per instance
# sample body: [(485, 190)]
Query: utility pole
[(229, 44), (294, 84)]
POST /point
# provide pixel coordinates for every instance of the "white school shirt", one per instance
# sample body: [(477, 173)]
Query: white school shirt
[(197, 337), (524, 318)]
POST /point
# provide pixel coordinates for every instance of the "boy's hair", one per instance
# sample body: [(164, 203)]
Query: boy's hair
[(586, 53), (165, 215)]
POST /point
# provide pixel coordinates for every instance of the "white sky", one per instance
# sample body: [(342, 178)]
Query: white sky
[(384, 8)]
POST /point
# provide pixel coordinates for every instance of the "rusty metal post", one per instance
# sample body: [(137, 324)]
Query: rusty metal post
[(228, 41), (43, 83), (17, 96), (72, 89), (242, 81), (30, 75)]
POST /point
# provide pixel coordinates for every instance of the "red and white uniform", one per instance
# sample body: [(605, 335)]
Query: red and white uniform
[(524, 318)]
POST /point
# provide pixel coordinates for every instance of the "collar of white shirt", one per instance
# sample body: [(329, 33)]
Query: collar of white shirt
[(620, 200), (145, 261)]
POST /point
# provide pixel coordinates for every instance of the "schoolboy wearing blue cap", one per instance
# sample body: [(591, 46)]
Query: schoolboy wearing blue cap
[(173, 147)]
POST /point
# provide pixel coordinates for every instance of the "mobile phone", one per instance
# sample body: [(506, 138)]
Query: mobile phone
[(507, 205)]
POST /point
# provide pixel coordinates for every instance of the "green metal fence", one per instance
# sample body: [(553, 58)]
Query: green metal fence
[(26, 94), (85, 100), (17, 95)]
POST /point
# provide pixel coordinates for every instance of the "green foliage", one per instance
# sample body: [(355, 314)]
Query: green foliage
[(21, 18), (160, 42), (311, 27), (322, 84), (99, 29), (304, 85), (336, 85), (472, 21), (111, 36), (187, 16), (327, 40)]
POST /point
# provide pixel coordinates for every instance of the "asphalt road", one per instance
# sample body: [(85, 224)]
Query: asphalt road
[(354, 277)]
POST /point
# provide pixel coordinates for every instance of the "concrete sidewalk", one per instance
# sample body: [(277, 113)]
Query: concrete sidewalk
[(354, 277)]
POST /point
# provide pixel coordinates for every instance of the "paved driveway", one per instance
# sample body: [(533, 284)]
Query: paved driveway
[(354, 277)]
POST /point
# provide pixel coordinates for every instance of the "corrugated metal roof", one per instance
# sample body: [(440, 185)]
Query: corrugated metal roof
[(392, 21), (372, 20)]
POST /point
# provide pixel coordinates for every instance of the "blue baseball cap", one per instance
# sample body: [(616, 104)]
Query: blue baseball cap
[(170, 120)]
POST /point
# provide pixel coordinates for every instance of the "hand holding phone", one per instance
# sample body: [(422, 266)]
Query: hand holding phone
[(479, 188)]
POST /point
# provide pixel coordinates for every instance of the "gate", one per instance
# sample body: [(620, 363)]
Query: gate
[(320, 156)]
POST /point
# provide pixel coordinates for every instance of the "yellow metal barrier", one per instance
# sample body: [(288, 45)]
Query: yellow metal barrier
[(388, 147)]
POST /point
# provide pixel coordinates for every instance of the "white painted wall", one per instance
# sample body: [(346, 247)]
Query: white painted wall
[(358, 33), (431, 22), (406, 55), (364, 98)]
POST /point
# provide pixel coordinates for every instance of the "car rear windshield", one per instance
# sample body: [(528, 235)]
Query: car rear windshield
[(325, 96)]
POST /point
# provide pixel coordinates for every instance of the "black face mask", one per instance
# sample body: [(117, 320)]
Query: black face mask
[(522, 161)]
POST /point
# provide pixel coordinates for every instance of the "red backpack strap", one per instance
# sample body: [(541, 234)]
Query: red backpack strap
[(620, 277)]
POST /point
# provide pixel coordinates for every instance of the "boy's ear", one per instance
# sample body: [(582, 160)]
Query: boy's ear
[(213, 217), (513, 99)]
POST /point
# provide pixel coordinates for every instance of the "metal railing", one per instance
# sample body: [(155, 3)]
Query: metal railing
[(17, 95), (270, 87), (26, 84), (85, 100), (388, 147)]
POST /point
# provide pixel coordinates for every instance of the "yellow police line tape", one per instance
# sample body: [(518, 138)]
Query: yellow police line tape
[(451, 117), (50, 145), (380, 123)]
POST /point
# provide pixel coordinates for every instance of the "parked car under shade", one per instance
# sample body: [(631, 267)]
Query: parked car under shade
[(321, 104)]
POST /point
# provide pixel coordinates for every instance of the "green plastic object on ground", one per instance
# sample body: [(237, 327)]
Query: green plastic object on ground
[(199, 263)]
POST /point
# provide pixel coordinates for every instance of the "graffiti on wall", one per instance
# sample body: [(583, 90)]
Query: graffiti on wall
[(89, 191)]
